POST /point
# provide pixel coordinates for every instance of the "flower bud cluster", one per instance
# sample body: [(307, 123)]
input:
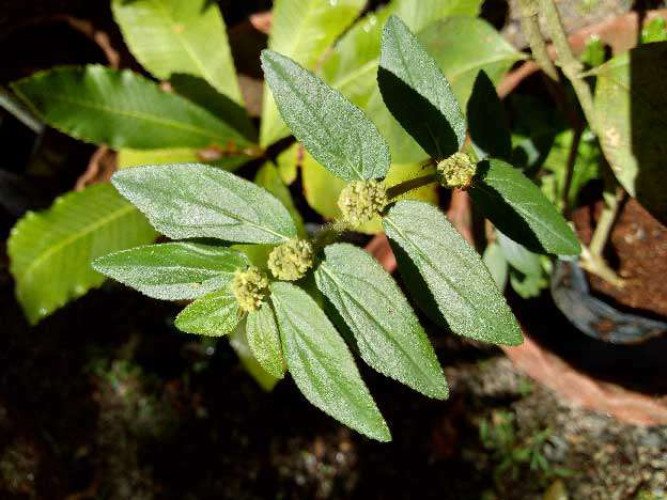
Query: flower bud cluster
[(457, 171), (360, 201), (291, 260), (250, 287)]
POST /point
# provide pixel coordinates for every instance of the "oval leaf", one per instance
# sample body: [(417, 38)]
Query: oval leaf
[(518, 208), (197, 201), (213, 315), (333, 130), (418, 94), (170, 37), (264, 340), (321, 363), (461, 287), (122, 109), (173, 271), (487, 122), (388, 334), (51, 251)]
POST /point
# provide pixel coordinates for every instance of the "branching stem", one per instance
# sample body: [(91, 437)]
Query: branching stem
[(409, 185), (531, 29)]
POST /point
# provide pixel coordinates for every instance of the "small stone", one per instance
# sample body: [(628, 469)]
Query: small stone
[(290, 261), (457, 171)]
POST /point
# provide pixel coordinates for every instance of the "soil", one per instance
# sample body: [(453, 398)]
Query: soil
[(638, 252)]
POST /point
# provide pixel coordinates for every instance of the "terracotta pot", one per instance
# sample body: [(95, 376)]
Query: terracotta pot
[(538, 362)]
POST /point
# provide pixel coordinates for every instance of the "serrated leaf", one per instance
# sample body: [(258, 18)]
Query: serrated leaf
[(173, 271), (50, 251), (268, 177), (460, 286), (214, 315), (387, 332), (321, 363), (487, 122), (264, 340), (122, 109), (417, 93), (630, 103), (303, 30), (333, 130), (175, 36), (518, 208), (198, 201)]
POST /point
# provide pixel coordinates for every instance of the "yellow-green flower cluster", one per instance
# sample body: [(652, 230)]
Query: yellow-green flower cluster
[(360, 201), (457, 171), (250, 287), (291, 260)]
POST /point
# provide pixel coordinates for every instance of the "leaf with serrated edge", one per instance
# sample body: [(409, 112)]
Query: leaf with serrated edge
[(122, 109), (459, 284), (50, 251), (199, 201), (518, 208), (332, 129), (418, 94), (173, 271), (303, 30), (264, 340), (168, 37), (213, 315), (321, 363), (388, 334)]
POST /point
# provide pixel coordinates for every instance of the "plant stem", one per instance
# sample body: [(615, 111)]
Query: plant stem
[(606, 222), (570, 65), (531, 29), (569, 169), (407, 186), (329, 234)]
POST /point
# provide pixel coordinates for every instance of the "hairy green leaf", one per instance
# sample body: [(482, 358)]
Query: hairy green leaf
[(264, 340), (496, 263), (332, 129), (630, 104), (122, 109), (487, 123), (269, 178), (388, 334), (518, 208), (418, 94), (238, 339), (214, 315), (176, 36), (321, 363), (460, 286), (173, 271), (303, 30), (50, 251), (198, 201)]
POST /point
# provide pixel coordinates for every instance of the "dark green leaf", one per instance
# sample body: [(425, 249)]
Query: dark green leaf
[(460, 285), (173, 271), (321, 364), (333, 130), (122, 109), (50, 251), (214, 315), (387, 332), (417, 93), (518, 208), (264, 340), (487, 123), (198, 201)]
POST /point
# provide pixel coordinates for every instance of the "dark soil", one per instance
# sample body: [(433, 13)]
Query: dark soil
[(638, 251)]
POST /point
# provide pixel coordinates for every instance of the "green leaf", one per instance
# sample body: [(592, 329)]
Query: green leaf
[(122, 109), (303, 30), (138, 157), (214, 315), (388, 334), (462, 46), (518, 208), (460, 286), (630, 103), (198, 201), (333, 130), (495, 262), (487, 123), (268, 177), (519, 257), (654, 31), (173, 271), (321, 363), (50, 251), (175, 36), (417, 14), (239, 341), (417, 93), (264, 340)]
